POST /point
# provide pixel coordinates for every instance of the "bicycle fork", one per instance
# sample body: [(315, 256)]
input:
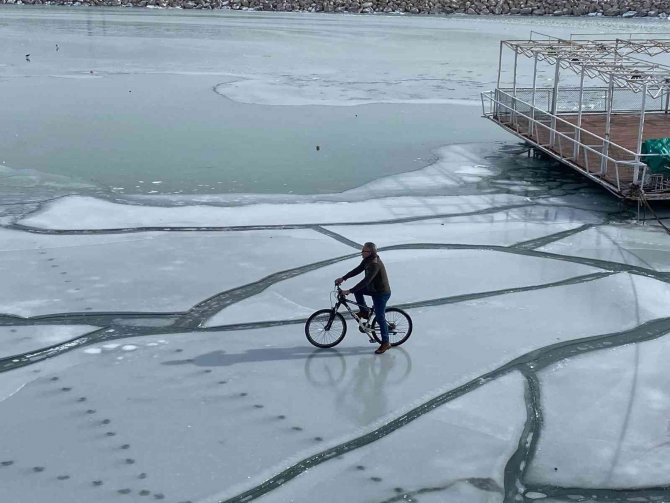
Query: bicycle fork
[(330, 319)]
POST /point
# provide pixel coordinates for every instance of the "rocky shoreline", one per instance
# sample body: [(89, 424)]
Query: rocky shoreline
[(612, 8)]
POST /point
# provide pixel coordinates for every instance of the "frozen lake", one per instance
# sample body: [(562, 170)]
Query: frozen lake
[(167, 224)]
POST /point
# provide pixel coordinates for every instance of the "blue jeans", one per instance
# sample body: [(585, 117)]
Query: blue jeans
[(379, 301)]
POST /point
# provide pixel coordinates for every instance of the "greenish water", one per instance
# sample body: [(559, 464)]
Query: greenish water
[(147, 133), (124, 99)]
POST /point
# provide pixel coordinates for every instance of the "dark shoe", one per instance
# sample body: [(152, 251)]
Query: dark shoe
[(363, 314), (384, 347)]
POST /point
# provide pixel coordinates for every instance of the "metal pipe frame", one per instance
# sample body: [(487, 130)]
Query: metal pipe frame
[(608, 125), (578, 134), (554, 102), (530, 127), (602, 59), (615, 189)]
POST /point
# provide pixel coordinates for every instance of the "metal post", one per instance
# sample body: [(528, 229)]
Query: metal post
[(554, 102), (642, 113), (608, 124), (516, 57), (578, 131), (499, 64), (639, 134), (616, 50), (532, 102), (514, 119)]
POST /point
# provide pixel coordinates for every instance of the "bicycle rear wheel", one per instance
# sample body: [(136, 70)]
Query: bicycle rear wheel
[(400, 326), (315, 329)]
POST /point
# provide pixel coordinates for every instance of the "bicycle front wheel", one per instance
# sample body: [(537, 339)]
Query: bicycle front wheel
[(318, 332), (399, 324)]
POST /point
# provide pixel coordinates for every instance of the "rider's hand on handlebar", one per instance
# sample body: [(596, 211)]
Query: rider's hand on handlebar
[(339, 281)]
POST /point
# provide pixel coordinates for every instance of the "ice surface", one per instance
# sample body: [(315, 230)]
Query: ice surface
[(334, 92), (76, 212), (628, 244), (489, 253), (441, 273), (611, 407), (503, 231), (463, 446), (192, 385), (143, 272), (22, 339), (271, 399)]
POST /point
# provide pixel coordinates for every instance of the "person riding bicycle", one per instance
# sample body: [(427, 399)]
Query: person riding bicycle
[(376, 285)]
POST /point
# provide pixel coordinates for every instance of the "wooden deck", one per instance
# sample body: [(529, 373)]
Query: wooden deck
[(623, 131)]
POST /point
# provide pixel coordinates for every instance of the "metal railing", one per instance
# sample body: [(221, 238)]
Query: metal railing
[(593, 100), (607, 163)]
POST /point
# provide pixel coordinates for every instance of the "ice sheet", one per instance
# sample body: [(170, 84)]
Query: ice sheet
[(144, 272), (441, 273), (630, 244), (457, 452), (22, 339), (611, 407), (208, 414), (77, 212)]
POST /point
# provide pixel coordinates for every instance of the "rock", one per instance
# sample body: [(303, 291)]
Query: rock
[(610, 8)]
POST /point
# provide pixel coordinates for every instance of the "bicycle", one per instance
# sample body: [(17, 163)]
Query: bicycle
[(327, 327)]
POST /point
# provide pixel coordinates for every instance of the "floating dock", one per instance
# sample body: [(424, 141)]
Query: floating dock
[(598, 130)]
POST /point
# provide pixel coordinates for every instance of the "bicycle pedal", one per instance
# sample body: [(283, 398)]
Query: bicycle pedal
[(372, 341)]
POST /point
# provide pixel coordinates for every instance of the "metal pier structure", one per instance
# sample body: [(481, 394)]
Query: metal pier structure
[(606, 97)]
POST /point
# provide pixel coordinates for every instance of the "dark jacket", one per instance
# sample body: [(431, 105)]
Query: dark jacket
[(375, 280)]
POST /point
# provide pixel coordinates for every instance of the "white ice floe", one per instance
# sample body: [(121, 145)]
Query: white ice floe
[(605, 418), (22, 339), (145, 272), (414, 275), (300, 92), (445, 230), (78, 212), (456, 452), (628, 244), (214, 395)]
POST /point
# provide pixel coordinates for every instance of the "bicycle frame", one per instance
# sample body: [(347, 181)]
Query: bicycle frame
[(343, 301)]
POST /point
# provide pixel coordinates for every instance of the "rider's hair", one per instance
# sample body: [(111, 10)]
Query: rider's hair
[(371, 246)]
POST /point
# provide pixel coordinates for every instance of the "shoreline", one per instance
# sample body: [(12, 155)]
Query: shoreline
[(552, 8)]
